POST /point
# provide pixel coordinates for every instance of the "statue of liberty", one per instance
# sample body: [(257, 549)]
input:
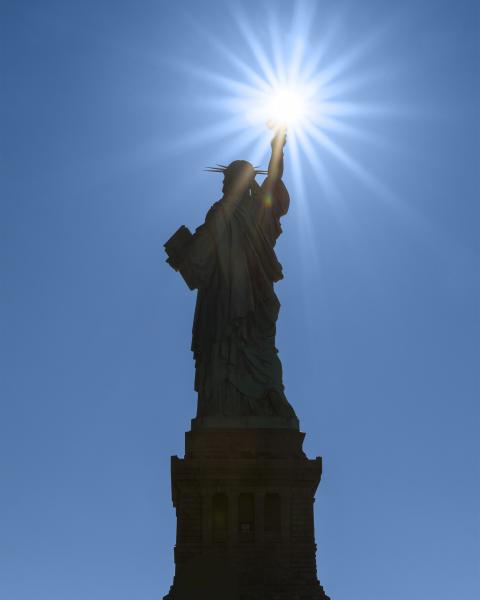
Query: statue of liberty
[(231, 261)]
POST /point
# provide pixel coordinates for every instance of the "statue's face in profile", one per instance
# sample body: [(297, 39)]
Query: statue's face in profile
[(227, 184)]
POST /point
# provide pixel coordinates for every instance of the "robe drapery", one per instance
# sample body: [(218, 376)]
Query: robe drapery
[(232, 263)]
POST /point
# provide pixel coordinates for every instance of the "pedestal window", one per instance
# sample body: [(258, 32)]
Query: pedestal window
[(246, 517), (273, 516), (220, 517)]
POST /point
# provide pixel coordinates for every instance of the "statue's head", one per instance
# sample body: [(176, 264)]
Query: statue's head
[(238, 177)]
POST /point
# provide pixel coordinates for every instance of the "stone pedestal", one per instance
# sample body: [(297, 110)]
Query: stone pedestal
[(244, 503)]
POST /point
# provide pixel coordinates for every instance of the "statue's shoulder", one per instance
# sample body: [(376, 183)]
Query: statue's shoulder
[(214, 208), (215, 211), (213, 219)]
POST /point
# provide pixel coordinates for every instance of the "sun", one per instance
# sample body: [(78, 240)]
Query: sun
[(285, 108), (280, 106)]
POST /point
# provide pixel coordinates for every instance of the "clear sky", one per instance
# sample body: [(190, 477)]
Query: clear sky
[(110, 110)]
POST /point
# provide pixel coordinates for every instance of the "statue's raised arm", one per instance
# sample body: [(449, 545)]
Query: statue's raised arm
[(275, 166)]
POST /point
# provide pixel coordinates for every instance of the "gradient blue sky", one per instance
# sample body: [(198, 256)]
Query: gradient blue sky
[(105, 130)]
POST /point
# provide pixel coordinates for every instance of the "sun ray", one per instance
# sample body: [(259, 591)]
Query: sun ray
[(208, 134), (261, 152), (355, 167), (227, 84), (278, 62), (361, 109), (298, 50), (303, 18), (332, 124), (246, 139), (355, 82), (332, 194), (233, 58), (306, 237), (255, 46), (354, 54), (329, 188), (320, 51)]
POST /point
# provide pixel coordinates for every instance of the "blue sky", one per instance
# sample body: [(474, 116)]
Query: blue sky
[(109, 113)]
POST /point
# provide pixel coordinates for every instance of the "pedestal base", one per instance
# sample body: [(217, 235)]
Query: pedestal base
[(245, 531)]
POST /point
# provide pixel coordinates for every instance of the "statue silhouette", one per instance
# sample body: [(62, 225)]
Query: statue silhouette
[(244, 491), (231, 261)]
